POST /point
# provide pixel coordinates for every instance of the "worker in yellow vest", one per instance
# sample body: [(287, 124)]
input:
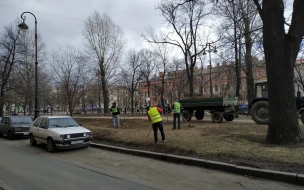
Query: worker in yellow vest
[(176, 111), (115, 114), (156, 120)]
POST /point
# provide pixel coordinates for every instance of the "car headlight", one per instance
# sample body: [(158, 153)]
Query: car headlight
[(61, 137), (68, 136), (17, 129), (86, 134)]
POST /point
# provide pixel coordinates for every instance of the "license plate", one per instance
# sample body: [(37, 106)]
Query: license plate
[(77, 142), (26, 133)]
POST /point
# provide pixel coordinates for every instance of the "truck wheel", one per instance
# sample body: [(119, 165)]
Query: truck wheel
[(302, 117), (199, 114), (228, 116), (260, 112), (217, 117), (187, 115)]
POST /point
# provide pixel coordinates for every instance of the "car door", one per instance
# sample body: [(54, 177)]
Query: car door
[(34, 129), (43, 130), (5, 125)]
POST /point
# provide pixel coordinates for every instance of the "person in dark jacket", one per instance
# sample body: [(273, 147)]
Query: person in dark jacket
[(115, 114)]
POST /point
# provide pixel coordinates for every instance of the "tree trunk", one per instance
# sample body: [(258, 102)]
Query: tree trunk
[(248, 59), (104, 86), (1, 105), (280, 54), (189, 75), (249, 74)]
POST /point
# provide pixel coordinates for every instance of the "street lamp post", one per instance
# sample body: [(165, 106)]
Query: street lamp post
[(210, 49), (23, 26)]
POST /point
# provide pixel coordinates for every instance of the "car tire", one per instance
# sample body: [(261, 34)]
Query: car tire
[(33, 142), (1, 135), (50, 145), (10, 135)]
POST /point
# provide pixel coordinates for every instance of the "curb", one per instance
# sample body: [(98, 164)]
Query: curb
[(287, 177)]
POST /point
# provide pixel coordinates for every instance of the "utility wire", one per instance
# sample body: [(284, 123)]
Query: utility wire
[(56, 15)]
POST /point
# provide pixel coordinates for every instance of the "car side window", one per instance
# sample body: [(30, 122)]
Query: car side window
[(6, 120), (44, 123), (37, 122)]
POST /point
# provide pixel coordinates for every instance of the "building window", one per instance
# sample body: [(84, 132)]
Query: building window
[(216, 88)]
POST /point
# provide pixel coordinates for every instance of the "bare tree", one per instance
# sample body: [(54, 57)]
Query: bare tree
[(241, 19), (132, 74), (163, 53), (70, 71), (148, 66), (8, 58), (281, 48), (105, 41), (186, 17)]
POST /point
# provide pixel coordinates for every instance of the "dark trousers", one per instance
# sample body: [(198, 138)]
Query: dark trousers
[(176, 116), (156, 126)]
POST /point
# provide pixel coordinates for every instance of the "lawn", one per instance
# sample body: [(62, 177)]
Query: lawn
[(240, 142)]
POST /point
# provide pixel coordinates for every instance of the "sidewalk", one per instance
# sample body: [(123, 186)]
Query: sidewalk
[(292, 178)]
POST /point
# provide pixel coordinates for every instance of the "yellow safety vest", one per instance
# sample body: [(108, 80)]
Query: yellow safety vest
[(114, 110), (154, 115), (176, 107)]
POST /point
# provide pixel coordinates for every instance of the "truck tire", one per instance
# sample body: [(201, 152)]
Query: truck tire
[(217, 117), (260, 112), (199, 114), (187, 115), (228, 116), (302, 117)]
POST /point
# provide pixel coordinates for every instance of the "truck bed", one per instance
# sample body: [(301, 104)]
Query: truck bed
[(210, 102)]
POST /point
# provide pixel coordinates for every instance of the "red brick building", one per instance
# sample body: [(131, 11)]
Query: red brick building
[(223, 83)]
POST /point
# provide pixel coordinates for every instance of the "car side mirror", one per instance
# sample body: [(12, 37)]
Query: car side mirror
[(80, 124)]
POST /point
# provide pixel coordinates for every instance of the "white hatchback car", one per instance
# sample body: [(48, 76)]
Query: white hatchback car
[(59, 132)]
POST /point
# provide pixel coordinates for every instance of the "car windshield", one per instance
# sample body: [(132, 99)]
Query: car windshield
[(62, 122), (21, 120)]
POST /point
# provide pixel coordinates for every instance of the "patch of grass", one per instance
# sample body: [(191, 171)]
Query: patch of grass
[(231, 142)]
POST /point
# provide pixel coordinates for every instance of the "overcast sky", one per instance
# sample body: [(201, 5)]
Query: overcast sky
[(60, 22)]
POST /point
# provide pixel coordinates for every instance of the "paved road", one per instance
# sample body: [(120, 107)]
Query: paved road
[(26, 167)]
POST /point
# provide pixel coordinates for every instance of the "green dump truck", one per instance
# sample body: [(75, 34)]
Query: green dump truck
[(220, 108)]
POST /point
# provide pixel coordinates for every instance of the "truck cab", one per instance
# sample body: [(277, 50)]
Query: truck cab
[(258, 107)]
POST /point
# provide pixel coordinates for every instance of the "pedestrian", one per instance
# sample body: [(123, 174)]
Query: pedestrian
[(156, 120), (138, 108), (115, 114), (177, 111), (125, 109)]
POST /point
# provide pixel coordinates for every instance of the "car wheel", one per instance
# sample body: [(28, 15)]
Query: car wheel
[(1, 135), (33, 142), (50, 145), (10, 135)]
